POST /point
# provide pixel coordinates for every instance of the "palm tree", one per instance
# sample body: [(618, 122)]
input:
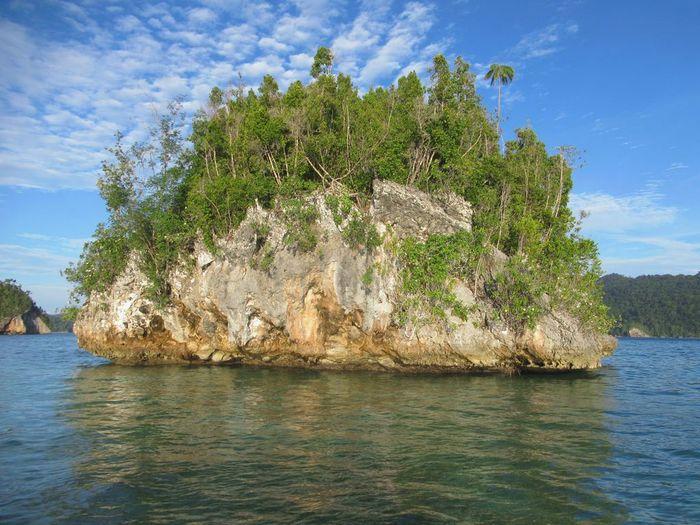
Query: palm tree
[(504, 75)]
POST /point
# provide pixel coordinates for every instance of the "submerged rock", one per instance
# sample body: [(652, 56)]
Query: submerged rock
[(333, 307)]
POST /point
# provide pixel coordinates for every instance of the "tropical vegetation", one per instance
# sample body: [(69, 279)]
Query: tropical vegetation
[(14, 300), (658, 305), (274, 147)]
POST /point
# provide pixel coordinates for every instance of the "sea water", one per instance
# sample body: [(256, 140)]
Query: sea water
[(85, 441)]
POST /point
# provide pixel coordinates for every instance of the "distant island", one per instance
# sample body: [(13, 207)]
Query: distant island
[(19, 314), (654, 305), (325, 227)]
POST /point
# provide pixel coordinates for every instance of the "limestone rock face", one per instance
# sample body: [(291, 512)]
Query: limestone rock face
[(413, 213), (319, 309), (29, 322)]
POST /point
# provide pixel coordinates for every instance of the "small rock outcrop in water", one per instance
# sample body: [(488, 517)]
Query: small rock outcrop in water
[(334, 307), (30, 322), (637, 332)]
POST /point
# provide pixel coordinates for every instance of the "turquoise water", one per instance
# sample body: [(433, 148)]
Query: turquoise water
[(83, 441)]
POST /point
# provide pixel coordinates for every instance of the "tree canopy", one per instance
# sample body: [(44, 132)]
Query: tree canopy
[(323, 62), (13, 299), (501, 74)]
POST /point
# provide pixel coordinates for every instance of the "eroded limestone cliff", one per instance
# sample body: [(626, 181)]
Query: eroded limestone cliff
[(30, 322), (266, 303)]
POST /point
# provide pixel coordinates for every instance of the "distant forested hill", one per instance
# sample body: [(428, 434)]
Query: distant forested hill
[(660, 305), (59, 323), (18, 312)]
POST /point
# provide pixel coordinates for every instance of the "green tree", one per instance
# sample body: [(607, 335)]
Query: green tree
[(441, 78), (269, 90), (502, 75), (216, 97), (323, 62), (13, 299)]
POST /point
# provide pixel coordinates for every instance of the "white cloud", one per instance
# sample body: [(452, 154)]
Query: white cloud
[(51, 297), (62, 100), (257, 13), (129, 23), (401, 43), (677, 166), (171, 86), (654, 255), (237, 42), (301, 61), (609, 213), (30, 260), (270, 44), (544, 42), (358, 39), (270, 64), (36, 260), (512, 96), (21, 103), (62, 242), (637, 233), (310, 24), (201, 15)]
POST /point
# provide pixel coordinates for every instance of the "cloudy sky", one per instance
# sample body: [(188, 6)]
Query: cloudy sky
[(616, 79)]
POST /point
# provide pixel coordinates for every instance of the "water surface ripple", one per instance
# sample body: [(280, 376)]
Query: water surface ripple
[(83, 441)]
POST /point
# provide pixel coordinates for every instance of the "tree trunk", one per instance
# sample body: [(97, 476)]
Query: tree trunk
[(505, 194), (498, 116), (557, 202)]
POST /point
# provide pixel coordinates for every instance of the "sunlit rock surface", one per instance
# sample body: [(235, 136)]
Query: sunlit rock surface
[(29, 322), (316, 310)]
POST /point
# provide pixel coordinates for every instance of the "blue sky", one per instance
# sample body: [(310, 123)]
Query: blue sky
[(619, 80)]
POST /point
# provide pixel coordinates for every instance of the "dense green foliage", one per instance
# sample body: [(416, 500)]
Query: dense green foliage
[(300, 218), (356, 229), (660, 305), (274, 147), (59, 323), (429, 269), (13, 299)]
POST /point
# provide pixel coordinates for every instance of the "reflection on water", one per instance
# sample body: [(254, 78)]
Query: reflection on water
[(91, 442), (204, 443)]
